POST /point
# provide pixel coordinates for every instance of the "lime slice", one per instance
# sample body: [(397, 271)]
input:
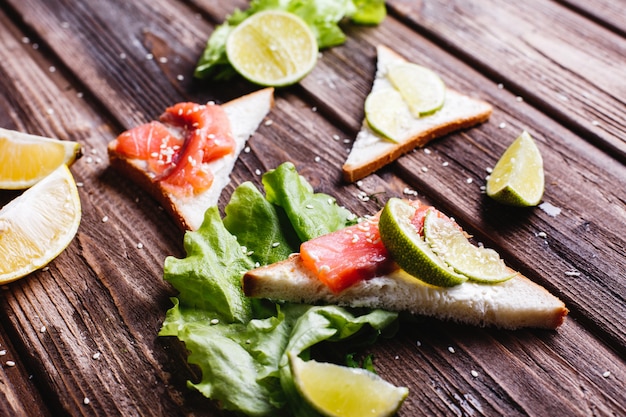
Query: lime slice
[(340, 391), (421, 88), (448, 241), (272, 48), (38, 225), (518, 179), (387, 113), (26, 159), (408, 248)]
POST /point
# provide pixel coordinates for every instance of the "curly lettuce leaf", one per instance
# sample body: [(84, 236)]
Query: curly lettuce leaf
[(311, 214), (240, 345), (322, 16), (261, 228)]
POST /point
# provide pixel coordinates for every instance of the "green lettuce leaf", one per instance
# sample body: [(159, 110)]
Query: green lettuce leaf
[(311, 214), (322, 16), (240, 345)]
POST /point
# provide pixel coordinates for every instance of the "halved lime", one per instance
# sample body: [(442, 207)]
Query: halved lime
[(388, 114), (518, 178), (340, 391), (422, 89), (272, 48), (408, 248), (448, 241)]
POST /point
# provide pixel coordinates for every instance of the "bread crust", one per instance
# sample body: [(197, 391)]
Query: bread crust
[(513, 304), (469, 113)]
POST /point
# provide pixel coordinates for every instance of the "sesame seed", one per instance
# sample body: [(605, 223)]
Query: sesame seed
[(215, 321), (542, 234), (424, 169), (105, 219), (139, 245), (52, 69), (572, 273), (149, 57), (42, 329), (314, 109), (25, 39), (445, 164), (346, 141), (268, 122), (10, 363), (246, 149), (317, 159), (309, 206), (96, 356), (474, 373), (606, 374), (275, 244), (258, 172), (50, 111), (450, 349), (502, 125), (500, 86), (86, 401), (595, 122), (519, 99), (469, 180), (65, 25), (180, 77), (418, 343), (427, 151), (336, 137), (163, 60)]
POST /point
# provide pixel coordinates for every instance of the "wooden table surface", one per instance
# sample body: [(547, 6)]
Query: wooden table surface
[(80, 337)]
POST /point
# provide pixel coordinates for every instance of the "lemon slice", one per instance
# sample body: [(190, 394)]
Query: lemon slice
[(26, 159), (450, 243), (340, 391), (388, 114), (421, 88), (408, 248), (38, 225), (518, 178), (272, 48)]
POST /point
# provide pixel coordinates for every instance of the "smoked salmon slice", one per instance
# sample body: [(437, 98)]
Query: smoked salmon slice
[(179, 145)]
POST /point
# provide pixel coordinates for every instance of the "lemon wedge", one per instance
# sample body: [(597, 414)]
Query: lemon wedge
[(272, 48), (38, 225), (26, 159), (339, 391)]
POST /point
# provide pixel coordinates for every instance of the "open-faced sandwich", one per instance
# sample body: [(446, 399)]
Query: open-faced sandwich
[(408, 106), (409, 258), (185, 159)]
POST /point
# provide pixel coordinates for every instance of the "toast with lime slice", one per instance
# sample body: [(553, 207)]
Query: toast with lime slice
[(169, 158), (408, 106), (433, 270)]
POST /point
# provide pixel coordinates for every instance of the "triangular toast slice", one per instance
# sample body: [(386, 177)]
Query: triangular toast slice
[(245, 114), (513, 304), (371, 151)]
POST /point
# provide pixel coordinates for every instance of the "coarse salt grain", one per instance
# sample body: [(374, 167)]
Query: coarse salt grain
[(86, 401), (139, 245), (96, 356), (105, 219), (606, 374), (42, 329)]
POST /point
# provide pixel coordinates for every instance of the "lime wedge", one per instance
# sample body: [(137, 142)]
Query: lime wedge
[(272, 48), (340, 391), (387, 114), (408, 248), (448, 241), (421, 88), (25, 159), (518, 179)]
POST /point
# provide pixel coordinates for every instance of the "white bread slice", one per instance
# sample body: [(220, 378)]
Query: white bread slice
[(245, 114), (513, 304), (371, 151)]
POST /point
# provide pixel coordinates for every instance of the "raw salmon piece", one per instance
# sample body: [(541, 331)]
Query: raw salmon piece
[(342, 258)]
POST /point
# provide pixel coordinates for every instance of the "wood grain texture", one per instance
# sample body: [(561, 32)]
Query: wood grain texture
[(87, 70)]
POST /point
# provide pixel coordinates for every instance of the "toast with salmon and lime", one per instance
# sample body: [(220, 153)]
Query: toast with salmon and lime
[(408, 106), (372, 264), (184, 160)]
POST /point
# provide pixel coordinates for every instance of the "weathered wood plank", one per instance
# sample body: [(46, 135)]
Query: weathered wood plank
[(105, 295)]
